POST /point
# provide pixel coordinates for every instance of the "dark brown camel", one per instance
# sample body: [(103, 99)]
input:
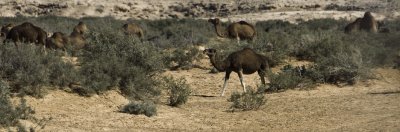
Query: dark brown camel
[(27, 32), (368, 23), (238, 30), (245, 61)]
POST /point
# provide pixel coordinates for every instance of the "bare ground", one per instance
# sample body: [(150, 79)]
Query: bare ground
[(367, 106)]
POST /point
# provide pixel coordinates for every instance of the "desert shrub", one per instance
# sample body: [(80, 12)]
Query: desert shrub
[(336, 62), (114, 60), (289, 78), (147, 108), (177, 33), (29, 69), (249, 100), (183, 58), (178, 91), (324, 24), (10, 114)]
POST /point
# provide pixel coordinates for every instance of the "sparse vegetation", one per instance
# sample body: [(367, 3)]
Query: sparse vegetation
[(29, 69), (250, 100), (147, 108), (10, 114), (178, 91), (289, 78)]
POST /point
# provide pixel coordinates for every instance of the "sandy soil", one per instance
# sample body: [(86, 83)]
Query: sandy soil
[(367, 106)]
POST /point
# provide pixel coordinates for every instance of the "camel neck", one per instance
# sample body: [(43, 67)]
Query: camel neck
[(219, 30), (219, 65)]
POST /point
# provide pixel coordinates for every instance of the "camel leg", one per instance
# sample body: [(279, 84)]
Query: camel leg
[(241, 80), (262, 75), (225, 82)]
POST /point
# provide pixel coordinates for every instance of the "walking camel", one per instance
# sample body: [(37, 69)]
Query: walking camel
[(245, 61)]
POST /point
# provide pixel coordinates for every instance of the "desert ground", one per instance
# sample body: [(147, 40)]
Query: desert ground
[(372, 105), (366, 106)]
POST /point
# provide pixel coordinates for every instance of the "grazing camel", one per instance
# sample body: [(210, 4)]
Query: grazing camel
[(245, 61), (368, 23), (27, 32), (353, 27), (239, 30), (133, 29)]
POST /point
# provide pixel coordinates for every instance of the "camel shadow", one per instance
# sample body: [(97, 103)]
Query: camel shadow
[(386, 92), (204, 96)]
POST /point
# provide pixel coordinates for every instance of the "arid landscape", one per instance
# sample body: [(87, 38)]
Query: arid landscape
[(368, 105)]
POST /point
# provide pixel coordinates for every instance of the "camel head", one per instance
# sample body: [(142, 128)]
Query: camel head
[(367, 14), (81, 28), (214, 21), (5, 29), (210, 52)]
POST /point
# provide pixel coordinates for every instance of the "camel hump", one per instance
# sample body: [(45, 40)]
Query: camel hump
[(245, 23)]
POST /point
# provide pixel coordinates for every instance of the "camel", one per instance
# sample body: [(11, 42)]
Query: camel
[(76, 38), (60, 40), (239, 30), (368, 23), (245, 61), (133, 29), (81, 28), (353, 27), (57, 41), (27, 32)]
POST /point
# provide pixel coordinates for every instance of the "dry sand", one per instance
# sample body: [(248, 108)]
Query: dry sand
[(367, 106)]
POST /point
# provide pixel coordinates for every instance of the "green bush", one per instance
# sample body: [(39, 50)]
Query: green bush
[(183, 58), (250, 100), (289, 78), (178, 91), (9, 115), (114, 60), (29, 69), (147, 108)]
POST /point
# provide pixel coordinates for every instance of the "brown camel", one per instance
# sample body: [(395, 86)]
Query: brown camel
[(76, 38), (245, 61), (57, 41), (368, 23), (81, 28), (133, 29), (27, 32), (239, 30), (353, 27)]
